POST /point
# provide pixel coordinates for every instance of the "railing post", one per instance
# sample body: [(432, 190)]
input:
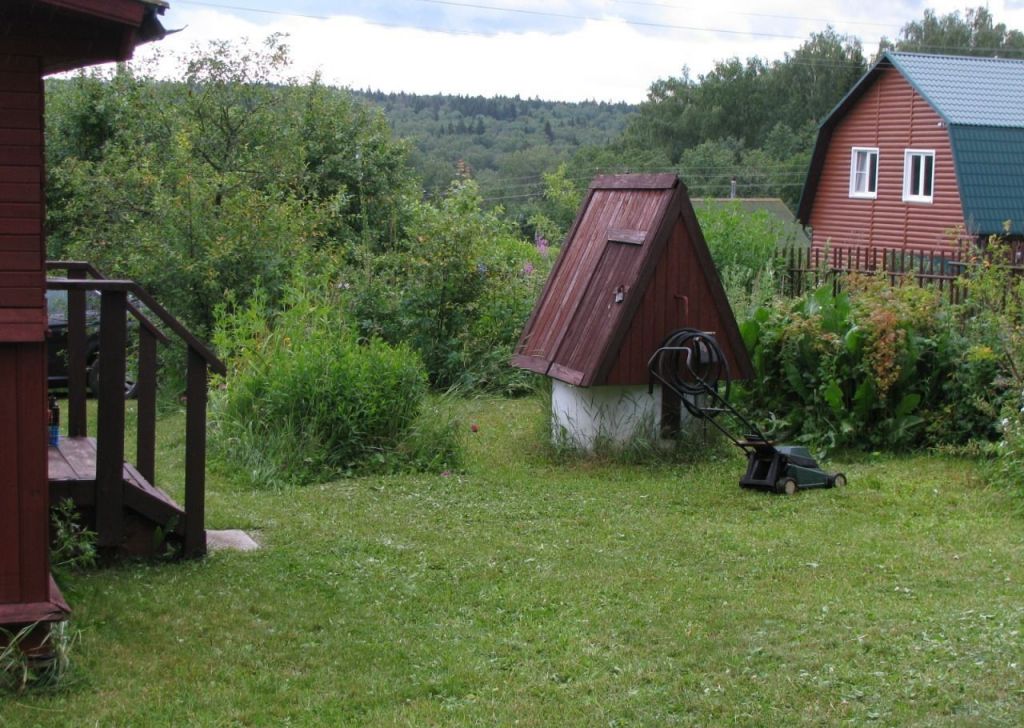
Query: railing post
[(195, 455), (76, 359), (110, 416), (145, 389)]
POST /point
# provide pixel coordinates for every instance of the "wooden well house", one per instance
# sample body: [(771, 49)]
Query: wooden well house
[(633, 269), (116, 499)]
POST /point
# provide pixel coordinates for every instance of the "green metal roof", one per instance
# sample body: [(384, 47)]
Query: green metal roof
[(967, 89), (982, 102), (989, 164)]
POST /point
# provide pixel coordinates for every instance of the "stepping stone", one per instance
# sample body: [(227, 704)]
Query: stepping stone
[(231, 539)]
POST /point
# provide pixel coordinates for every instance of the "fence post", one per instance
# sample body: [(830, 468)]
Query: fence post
[(145, 392)]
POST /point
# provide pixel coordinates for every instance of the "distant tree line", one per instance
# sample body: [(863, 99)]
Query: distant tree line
[(752, 121)]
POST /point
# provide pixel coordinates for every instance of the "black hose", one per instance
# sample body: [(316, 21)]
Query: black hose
[(692, 364)]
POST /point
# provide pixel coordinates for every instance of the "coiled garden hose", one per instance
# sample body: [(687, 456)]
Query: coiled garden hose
[(692, 363)]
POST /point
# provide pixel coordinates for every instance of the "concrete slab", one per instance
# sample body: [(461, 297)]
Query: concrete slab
[(231, 539)]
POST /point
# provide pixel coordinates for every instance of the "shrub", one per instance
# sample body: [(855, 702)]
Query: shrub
[(746, 247), (994, 317), (876, 366), (305, 398), (459, 291)]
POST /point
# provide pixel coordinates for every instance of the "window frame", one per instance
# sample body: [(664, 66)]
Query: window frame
[(909, 176), (867, 193)]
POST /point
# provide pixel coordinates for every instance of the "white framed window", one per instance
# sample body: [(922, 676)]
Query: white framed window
[(918, 175), (864, 172)]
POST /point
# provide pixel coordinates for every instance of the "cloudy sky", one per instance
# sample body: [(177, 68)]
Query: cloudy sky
[(607, 50)]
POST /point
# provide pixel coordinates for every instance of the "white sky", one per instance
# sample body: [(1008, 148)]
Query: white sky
[(570, 50)]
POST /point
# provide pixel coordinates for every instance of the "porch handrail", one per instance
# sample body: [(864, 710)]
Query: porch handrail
[(128, 286), (82, 267), (201, 360)]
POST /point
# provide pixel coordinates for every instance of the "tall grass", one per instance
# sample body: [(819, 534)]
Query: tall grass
[(306, 399)]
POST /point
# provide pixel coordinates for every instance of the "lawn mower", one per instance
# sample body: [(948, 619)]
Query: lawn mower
[(691, 365)]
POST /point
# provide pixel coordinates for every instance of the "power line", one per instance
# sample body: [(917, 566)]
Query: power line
[(642, 24), (519, 11), (846, 21), (639, 23)]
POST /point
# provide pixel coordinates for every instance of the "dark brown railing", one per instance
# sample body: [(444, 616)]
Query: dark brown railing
[(811, 268), (944, 270), (110, 456)]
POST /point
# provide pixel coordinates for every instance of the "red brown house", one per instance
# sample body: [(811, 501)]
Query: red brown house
[(924, 150), (633, 269), (37, 37)]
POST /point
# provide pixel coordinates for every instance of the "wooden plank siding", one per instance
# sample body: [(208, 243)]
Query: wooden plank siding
[(39, 37), (612, 284), (67, 34), (127, 12), (893, 117), (553, 323), (679, 296), (22, 251), (24, 503), (24, 570)]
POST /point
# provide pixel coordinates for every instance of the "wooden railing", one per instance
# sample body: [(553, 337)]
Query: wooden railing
[(115, 306)]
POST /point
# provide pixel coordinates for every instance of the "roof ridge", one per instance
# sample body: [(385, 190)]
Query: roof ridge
[(953, 56)]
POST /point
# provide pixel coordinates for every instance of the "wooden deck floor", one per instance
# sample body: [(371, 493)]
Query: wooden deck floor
[(72, 467)]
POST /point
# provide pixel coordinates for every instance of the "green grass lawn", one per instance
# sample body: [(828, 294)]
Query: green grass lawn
[(527, 591)]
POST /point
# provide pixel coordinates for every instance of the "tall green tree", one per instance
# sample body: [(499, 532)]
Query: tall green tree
[(220, 182), (975, 33), (746, 119), (807, 84), (669, 120)]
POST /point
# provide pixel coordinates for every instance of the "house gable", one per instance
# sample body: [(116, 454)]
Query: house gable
[(978, 104), (888, 115)]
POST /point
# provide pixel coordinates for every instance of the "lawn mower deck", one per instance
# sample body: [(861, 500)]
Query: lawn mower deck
[(783, 468)]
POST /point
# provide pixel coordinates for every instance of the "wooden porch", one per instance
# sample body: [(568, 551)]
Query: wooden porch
[(120, 500)]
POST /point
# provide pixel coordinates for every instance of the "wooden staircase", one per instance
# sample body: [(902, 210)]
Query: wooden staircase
[(154, 525), (119, 500)]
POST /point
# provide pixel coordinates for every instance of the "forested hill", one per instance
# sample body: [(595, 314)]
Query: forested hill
[(750, 120), (504, 142)]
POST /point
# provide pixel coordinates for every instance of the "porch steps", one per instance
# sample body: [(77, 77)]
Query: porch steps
[(151, 516)]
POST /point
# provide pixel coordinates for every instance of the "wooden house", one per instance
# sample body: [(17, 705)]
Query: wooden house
[(39, 37), (633, 269), (924, 150)]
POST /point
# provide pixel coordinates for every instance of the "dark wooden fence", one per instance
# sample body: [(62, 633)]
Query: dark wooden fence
[(810, 268)]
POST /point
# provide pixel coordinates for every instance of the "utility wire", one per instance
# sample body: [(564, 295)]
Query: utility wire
[(519, 11), (570, 16)]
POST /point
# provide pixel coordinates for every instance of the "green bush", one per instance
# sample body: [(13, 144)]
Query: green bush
[(746, 247), (458, 291), (216, 183), (875, 367), (994, 317), (306, 399)]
